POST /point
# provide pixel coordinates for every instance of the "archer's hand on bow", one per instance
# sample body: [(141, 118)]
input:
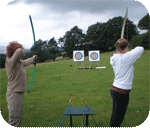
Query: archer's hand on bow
[(35, 58)]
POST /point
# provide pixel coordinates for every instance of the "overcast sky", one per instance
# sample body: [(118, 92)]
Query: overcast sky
[(52, 18)]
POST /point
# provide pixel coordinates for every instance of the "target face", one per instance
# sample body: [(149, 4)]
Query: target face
[(78, 55), (94, 55)]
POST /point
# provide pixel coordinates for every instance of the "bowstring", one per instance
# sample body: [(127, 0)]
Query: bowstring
[(127, 29), (27, 27)]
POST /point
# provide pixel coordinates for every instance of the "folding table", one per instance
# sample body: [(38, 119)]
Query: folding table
[(79, 111)]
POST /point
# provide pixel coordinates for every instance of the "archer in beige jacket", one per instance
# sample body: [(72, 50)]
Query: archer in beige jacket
[(16, 72)]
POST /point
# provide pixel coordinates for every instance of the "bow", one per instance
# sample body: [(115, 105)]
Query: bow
[(34, 60), (124, 23)]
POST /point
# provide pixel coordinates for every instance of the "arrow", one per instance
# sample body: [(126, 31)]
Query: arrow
[(89, 110), (67, 108)]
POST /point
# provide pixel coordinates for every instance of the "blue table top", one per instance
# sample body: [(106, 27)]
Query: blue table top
[(78, 111)]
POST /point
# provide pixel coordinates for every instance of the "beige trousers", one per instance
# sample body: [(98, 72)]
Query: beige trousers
[(15, 107)]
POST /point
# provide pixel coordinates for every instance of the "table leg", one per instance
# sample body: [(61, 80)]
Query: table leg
[(70, 120), (83, 121), (86, 120)]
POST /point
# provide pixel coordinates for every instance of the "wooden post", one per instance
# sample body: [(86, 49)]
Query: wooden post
[(98, 64), (82, 65), (90, 65), (75, 66)]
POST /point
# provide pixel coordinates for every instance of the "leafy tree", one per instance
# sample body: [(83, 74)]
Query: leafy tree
[(113, 30), (144, 23), (104, 35), (40, 49), (141, 40), (73, 40), (95, 36), (61, 41), (53, 48), (52, 42), (2, 60)]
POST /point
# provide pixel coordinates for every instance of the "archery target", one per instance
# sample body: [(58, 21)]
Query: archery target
[(94, 55), (78, 55)]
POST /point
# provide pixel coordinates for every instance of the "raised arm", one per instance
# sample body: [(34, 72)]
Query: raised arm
[(19, 53), (135, 54), (28, 61)]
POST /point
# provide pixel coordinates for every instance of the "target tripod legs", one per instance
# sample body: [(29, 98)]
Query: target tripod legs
[(90, 66), (75, 66)]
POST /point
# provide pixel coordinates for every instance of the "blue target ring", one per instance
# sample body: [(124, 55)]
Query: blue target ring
[(94, 55), (78, 56)]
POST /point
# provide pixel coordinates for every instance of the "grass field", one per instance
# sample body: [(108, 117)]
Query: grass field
[(56, 82)]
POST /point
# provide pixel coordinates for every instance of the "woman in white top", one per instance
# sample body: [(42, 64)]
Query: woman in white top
[(122, 64)]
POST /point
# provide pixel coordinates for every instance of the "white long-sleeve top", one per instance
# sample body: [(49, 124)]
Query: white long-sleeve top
[(122, 65)]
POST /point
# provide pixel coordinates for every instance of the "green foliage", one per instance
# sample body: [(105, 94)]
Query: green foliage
[(95, 35), (74, 40), (2, 60), (144, 23), (53, 49), (99, 36), (52, 42), (56, 82), (64, 55), (45, 50), (104, 35), (141, 40), (40, 49)]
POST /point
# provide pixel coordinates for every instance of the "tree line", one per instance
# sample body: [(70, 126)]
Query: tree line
[(99, 36)]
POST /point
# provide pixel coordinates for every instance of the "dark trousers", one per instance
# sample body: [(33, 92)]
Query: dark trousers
[(120, 103)]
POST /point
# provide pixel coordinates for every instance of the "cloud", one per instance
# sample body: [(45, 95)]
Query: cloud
[(92, 6), (116, 7), (52, 18)]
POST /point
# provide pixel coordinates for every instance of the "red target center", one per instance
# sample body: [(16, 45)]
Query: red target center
[(94, 56), (78, 55)]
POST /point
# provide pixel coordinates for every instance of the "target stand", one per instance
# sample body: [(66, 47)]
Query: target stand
[(91, 67), (79, 67), (78, 56), (94, 56)]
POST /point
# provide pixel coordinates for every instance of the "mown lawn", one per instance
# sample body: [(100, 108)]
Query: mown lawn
[(56, 82)]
